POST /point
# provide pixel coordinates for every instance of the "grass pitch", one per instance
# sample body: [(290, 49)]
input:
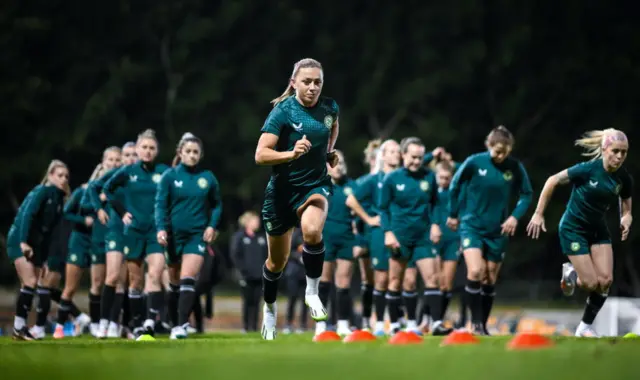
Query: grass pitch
[(237, 356)]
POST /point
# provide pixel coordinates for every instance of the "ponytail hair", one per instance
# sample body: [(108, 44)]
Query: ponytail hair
[(97, 172), (371, 151), (55, 164), (500, 135), (301, 64), (595, 142), (186, 138)]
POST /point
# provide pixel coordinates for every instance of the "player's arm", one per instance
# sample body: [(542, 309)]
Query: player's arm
[(215, 200), (384, 203), (335, 131), (361, 190), (118, 180), (625, 207), (525, 192), (574, 174), (71, 211), (31, 210), (462, 175), (163, 194)]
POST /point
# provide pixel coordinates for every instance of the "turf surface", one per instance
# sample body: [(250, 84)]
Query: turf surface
[(237, 356)]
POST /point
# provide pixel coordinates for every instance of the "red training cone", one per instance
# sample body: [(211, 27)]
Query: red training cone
[(327, 336), (403, 337), (359, 336), (459, 337), (529, 341)]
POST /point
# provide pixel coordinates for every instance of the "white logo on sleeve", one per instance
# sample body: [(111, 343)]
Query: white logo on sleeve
[(177, 183), (298, 127), (593, 183), (400, 187), (201, 248), (326, 192), (133, 178), (482, 172)]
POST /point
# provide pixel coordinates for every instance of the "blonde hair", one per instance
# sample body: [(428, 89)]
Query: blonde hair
[(99, 170), (341, 159), (595, 142), (187, 137), (244, 218), (55, 164), (147, 134), (371, 151), (380, 154), (301, 64)]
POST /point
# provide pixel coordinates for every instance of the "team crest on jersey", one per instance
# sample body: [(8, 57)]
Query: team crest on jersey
[(268, 226), (112, 244), (73, 258), (617, 189), (466, 242), (156, 178), (203, 183), (375, 261), (424, 185), (126, 250), (508, 175), (94, 258), (347, 191), (575, 246), (328, 121)]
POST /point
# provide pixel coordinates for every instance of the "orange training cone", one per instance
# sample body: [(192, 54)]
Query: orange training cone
[(529, 341), (458, 338), (327, 336), (359, 336), (403, 337)]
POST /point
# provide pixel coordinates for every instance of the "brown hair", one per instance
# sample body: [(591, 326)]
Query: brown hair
[(301, 64), (186, 138), (500, 135), (55, 164), (371, 151), (404, 144), (594, 142)]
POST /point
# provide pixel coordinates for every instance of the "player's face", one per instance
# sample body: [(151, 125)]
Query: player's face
[(129, 155), (147, 150), (615, 154), (190, 153), (253, 223), (340, 169), (391, 155), (443, 178), (111, 160), (499, 152), (308, 85), (413, 158), (59, 177)]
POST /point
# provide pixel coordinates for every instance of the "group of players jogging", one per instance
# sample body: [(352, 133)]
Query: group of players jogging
[(414, 212)]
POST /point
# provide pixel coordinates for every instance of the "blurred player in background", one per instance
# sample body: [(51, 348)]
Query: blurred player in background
[(295, 277), (584, 235), (491, 179)]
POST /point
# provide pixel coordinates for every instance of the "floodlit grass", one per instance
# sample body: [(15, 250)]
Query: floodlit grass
[(237, 356)]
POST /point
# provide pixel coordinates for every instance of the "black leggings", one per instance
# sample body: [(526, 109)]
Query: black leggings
[(251, 296), (296, 288)]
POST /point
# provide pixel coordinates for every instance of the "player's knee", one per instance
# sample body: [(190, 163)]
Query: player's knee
[(445, 286), (409, 284), (312, 232), (476, 274), (589, 283), (604, 283), (276, 264), (112, 279)]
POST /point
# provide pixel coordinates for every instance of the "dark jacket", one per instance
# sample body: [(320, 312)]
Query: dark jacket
[(249, 253), (295, 267)]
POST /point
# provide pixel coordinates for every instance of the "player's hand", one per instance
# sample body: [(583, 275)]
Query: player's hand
[(103, 198), (127, 218), (162, 238), (209, 235), (509, 226), (535, 225), (438, 152), (625, 226), (301, 147), (452, 223), (435, 234), (103, 217), (390, 241), (26, 249), (374, 221), (88, 221), (333, 159)]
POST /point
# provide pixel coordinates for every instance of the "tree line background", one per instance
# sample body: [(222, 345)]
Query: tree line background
[(78, 76)]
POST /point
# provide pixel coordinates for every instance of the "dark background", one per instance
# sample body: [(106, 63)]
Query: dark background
[(77, 76)]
